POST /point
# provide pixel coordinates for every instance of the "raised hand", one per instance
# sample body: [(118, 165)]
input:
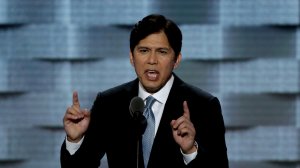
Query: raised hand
[(184, 131), (76, 120)]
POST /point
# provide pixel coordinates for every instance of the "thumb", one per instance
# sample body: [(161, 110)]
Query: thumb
[(186, 111), (75, 99)]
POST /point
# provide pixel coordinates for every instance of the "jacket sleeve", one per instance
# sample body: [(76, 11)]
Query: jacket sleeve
[(210, 136), (91, 150)]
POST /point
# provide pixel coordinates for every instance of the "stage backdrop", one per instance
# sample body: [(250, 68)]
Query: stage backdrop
[(246, 52)]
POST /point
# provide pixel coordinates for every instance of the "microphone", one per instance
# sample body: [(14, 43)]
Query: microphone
[(136, 108)]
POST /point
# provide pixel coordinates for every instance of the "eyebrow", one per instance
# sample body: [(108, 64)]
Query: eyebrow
[(159, 48)]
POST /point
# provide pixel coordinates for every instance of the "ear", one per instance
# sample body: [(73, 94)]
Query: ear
[(178, 60), (131, 58)]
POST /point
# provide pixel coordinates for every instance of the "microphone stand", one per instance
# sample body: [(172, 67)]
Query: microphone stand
[(137, 153), (141, 124)]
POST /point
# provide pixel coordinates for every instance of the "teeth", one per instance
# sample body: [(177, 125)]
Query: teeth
[(152, 74)]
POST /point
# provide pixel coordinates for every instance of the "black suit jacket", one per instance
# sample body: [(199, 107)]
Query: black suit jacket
[(112, 131)]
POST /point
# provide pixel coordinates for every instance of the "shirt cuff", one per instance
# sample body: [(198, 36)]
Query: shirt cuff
[(73, 147), (189, 157)]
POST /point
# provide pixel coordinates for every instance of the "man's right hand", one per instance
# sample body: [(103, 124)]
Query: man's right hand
[(76, 120)]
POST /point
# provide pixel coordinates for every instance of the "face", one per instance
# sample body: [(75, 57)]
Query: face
[(154, 60)]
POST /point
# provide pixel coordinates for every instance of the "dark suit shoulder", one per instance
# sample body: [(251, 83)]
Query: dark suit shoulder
[(125, 88), (189, 90)]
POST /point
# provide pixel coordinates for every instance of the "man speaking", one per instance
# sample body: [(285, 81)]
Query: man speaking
[(181, 125)]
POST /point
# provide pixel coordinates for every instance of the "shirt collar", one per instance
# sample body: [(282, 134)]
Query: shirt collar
[(160, 96)]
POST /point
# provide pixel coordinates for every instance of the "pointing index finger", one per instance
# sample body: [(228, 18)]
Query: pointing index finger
[(186, 111), (75, 99)]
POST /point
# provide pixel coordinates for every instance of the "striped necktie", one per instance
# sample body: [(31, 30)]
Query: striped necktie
[(149, 133)]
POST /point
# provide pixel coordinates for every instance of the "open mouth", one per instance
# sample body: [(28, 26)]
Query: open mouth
[(152, 74)]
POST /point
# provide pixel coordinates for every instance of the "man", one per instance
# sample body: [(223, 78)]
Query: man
[(189, 130)]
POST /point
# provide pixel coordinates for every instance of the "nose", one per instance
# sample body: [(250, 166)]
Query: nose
[(152, 58)]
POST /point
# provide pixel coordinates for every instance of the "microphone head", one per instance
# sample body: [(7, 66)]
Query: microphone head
[(136, 109), (136, 106)]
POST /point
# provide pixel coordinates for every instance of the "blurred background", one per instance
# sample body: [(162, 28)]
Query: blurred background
[(246, 52)]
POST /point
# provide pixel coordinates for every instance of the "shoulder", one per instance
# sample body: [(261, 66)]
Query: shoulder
[(191, 91), (201, 103), (126, 89)]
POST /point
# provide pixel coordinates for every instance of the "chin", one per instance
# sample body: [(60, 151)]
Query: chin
[(151, 89)]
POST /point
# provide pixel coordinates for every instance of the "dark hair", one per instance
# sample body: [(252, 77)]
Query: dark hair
[(155, 23)]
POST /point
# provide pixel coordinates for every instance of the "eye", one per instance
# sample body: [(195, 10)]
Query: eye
[(143, 50), (163, 51)]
